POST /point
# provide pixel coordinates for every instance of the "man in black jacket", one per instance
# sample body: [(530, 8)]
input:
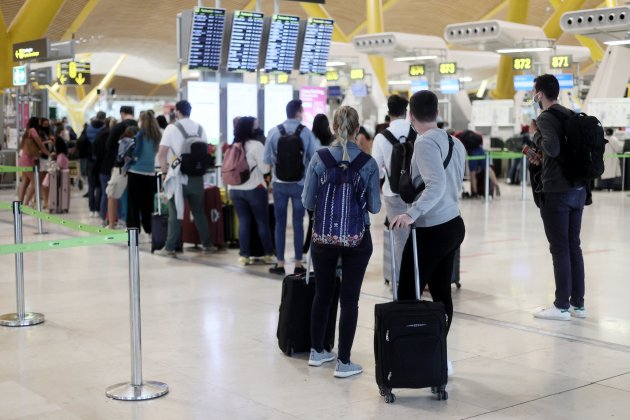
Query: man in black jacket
[(85, 143)]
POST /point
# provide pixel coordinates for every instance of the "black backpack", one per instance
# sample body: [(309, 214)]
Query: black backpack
[(194, 159), (582, 145), (400, 161), (290, 156), (408, 192)]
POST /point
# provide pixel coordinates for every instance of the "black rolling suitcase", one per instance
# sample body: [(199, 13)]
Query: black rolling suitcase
[(294, 323), (410, 341), (159, 222)]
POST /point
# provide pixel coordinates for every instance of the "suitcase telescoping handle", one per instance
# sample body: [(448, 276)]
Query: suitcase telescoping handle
[(416, 267), (309, 262), (158, 176)]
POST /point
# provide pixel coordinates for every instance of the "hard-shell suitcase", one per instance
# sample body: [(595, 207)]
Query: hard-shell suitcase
[(213, 208), (410, 341), (159, 222), (59, 191), (294, 322)]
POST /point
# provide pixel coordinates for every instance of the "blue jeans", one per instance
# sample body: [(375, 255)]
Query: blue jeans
[(103, 206), (562, 216), (281, 194), (247, 203), (94, 190)]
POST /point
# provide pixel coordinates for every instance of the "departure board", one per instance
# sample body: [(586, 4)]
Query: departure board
[(283, 38), (206, 38), (247, 29), (316, 47)]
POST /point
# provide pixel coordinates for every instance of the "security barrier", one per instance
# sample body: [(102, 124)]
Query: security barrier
[(135, 390)]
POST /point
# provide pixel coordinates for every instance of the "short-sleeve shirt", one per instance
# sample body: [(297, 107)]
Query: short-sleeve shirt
[(174, 140)]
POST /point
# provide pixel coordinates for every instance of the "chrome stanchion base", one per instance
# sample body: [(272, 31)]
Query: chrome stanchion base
[(13, 320), (127, 392)]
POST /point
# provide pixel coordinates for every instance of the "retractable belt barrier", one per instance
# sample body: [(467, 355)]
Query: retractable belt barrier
[(135, 390), (13, 169)]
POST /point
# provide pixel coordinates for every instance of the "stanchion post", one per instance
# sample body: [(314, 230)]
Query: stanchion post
[(623, 174), (137, 389), (40, 227), (524, 178), (487, 178), (21, 318)]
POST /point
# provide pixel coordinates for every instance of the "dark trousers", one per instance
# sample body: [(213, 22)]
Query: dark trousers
[(194, 193), (354, 261), (252, 203), (562, 216), (437, 246), (141, 191), (94, 188)]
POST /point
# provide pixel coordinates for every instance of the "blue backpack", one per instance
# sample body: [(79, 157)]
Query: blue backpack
[(341, 204)]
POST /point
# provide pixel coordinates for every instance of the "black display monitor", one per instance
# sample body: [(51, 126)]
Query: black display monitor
[(247, 30), (284, 32), (316, 46), (206, 38)]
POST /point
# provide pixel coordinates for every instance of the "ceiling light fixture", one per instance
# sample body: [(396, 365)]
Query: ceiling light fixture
[(416, 58), (465, 79), (335, 63), (618, 42), (399, 82), (523, 50)]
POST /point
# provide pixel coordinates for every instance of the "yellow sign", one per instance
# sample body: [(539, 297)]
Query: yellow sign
[(74, 73), (332, 75), (357, 74), (561, 61), (282, 78), (264, 79), (522, 63), (417, 70), (36, 50), (448, 68)]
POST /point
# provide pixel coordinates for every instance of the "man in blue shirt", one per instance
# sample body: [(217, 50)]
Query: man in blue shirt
[(277, 148)]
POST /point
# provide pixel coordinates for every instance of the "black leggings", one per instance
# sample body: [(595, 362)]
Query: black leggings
[(436, 254), (354, 262), (141, 191)]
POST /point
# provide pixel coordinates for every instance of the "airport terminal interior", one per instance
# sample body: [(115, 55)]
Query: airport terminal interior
[(101, 321)]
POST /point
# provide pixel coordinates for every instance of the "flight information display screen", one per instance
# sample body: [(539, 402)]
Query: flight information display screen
[(206, 38), (247, 29), (316, 47), (282, 45)]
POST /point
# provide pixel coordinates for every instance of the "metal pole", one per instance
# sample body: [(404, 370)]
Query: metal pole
[(487, 178), (393, 263), (524, 178), (276, 7), (416, 267), (623, 175), (20, 318), (137, 389), (258, 6), (38, 200), (180, 75)]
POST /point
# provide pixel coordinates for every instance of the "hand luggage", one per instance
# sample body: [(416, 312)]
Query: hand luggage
[(213, 208), (256, 249), (59, 193), (294, 322), (410, 341), (159, 222)]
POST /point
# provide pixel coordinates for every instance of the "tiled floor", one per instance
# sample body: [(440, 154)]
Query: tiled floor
[(209, 331)]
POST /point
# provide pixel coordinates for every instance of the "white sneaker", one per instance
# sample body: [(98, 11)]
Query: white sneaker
[(449, 367), (345, 370), (553, 313), (577, 312)]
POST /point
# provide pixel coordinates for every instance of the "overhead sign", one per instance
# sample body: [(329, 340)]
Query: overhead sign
[(357, 74), (522, 63), (332, 75), (524, 82), (449, 85), (565, 80), (36, 50), (561, 61), (417, 70), (19, 75), (418, 85), (74, 73), (282, 78), (448, 68)]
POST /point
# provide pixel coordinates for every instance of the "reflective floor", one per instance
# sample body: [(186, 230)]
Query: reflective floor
[(209, 331)]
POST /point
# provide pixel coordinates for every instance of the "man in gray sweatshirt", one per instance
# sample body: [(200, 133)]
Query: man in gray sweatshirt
[(435, 214)]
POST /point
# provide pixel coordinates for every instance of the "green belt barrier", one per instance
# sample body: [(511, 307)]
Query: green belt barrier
[(63, 243), (618, 155), (81, 227), (5, 206), (475, 158), (5, 169), (506, 155)]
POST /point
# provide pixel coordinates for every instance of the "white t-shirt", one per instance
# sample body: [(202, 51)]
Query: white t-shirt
[(382, 151), (254, 153), (174, 140)]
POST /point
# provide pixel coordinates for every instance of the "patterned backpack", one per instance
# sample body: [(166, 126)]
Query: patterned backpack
[(341, 204)]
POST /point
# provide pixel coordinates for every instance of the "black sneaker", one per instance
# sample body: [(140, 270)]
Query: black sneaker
[(299, 271), (277, 270)]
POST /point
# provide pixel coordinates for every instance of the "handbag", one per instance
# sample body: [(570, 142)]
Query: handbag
[(117, 184)]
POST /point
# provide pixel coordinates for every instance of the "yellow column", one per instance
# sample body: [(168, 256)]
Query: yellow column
[(517, 13), (359, 29), (552, 26), (6, 76), (374, 26), (78, 21), (318, 11), (611, 3)]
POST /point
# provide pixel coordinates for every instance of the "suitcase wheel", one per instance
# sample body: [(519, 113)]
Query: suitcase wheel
[(442, 396), (459, 285), (390, 398)]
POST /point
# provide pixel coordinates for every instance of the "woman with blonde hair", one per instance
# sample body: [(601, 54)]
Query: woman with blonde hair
[(355, 254)]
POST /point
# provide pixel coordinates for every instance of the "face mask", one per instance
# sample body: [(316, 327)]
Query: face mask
[(538, 101)]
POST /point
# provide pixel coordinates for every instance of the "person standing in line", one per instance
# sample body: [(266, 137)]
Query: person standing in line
[(321, 131), (354, 260), (31, 148), (364, 140), (435, 213), (289, 148), (561, 207), (141, 173), (100, 153), (169, 153), (399, 129), (251, 198), (86, 148)]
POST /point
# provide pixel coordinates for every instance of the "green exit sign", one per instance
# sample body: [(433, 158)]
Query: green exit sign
[(19, 76)]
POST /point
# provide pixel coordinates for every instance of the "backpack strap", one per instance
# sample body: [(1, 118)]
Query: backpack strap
[(283, 132), (200, 131), (327, 157), (298, 131), (390, 137), (558, 114), (360, 161), (183, 130), (451, 144), (412, 134)]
